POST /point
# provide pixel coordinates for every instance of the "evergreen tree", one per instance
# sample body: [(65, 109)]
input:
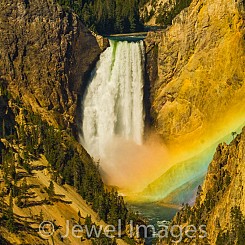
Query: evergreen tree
[(119, 21), (10, 214), (107, 16), (51, 191), (238, 225), (3, 128), (24, 191), (41, 216)]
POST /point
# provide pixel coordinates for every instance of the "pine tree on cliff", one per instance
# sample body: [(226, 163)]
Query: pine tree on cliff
[(51, 191), (10, 214)]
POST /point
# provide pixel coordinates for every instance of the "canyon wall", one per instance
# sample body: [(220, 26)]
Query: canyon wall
[(46, 55), (220, 204), (197, 89)]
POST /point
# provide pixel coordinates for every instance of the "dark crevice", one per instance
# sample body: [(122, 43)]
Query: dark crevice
[(85, 82), (147, 99), (150, 78)]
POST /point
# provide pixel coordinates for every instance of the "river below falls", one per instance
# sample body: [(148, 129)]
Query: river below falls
[(153, 213)]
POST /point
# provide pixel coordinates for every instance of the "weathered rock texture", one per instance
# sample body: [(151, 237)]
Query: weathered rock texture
[(45, 56), (224, 185), (197, 89), (152, 10), (223, 189)]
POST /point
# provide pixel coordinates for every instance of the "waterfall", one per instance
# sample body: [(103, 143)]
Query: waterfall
[(113, 102)]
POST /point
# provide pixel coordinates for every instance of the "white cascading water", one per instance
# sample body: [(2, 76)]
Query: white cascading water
[(113, 103)]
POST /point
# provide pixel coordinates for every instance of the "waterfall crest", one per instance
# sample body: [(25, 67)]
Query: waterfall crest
[(113, 102)]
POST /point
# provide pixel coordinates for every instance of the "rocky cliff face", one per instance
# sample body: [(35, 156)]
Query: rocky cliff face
[(197, 89), (150, 11), (161, 12), (222, 193), (46, 54), (224, 185)]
